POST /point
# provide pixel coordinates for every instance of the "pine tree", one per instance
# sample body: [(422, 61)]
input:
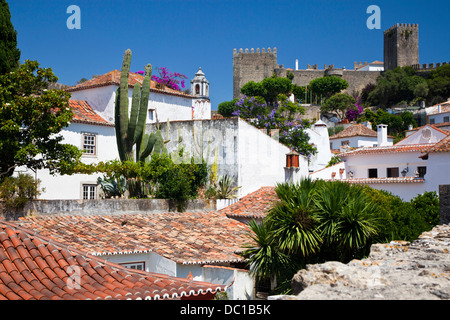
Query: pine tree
[(9, 53)]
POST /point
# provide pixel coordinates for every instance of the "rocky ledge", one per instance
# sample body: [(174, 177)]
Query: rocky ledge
[(398, 270)]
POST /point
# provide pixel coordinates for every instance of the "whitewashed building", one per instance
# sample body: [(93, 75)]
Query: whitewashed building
[(403, 168), (164, 103), (358, 135), (90, 133)]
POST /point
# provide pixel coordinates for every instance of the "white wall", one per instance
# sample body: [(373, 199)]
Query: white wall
[(70, 186), (102, 100), (318, 135), (357, 142), (438, 171), (242, 283), (262, 159), (338, 169), (360, 164), (438, 118)]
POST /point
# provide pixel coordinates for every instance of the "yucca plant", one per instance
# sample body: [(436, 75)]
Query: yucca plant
[(293, 219), (225, 189), (266, 260)]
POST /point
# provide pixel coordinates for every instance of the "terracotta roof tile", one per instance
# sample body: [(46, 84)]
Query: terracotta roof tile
[(441, 146), (355, 130), (83, 113), (389, 149), (113, 78), (187, 238), (253, 205), (384, 180), (33, 276)]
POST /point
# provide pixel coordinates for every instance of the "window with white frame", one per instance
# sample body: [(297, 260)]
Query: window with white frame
[(89, 144), (89, 191), (446, 118), (134, 265)]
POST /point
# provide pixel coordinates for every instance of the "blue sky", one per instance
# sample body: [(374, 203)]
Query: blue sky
[(185, 35)]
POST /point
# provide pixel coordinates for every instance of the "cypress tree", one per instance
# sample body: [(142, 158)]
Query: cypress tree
[(9, 53)]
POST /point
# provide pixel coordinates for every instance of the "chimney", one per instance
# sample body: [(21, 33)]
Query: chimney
[(296, 64), (382, 135)]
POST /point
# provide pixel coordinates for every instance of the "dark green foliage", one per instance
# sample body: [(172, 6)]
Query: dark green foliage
[(9, 53), (327, 86), (17, 191), (439, 85), (318, 221), (269, 89), (338, 103), (31, 118), (227, 108)]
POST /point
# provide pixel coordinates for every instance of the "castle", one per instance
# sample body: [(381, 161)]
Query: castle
[(401, 48)]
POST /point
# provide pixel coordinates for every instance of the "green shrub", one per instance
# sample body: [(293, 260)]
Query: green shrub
[(17, 191)]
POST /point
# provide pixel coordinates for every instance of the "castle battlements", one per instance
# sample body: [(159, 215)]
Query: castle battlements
[(429, 66), (402, 26), (252, 50)]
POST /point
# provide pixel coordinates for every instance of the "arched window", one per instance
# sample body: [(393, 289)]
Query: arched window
[(197, 89)]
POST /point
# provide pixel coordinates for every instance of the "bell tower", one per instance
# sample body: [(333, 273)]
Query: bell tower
[(200, 85)]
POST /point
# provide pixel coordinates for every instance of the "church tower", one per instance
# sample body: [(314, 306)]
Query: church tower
[(200, 85)]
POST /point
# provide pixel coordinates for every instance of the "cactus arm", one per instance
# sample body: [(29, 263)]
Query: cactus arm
[(143, 107), (123, 101), (133, 115), (148, 142), (120, 146)]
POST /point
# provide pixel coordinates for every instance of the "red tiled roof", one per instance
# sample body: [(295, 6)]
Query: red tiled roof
[(389, 149), (445, 107), (384, 180), (356, 130), (253, 205), (113, 78), (441, 146), (35, 267), (187, 238), (83, 113)]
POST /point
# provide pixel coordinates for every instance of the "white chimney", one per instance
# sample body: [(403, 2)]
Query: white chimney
[(296, 64), (439, 109), (382, 135)]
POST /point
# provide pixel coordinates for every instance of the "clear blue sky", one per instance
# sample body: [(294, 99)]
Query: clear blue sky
[(184, 35)]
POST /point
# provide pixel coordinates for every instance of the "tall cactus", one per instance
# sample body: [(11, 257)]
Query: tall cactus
[(130, 129)]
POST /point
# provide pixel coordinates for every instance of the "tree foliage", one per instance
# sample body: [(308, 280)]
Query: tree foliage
[(339, 104), (9, 53), (397, 124), (31, 118), (327, 86)]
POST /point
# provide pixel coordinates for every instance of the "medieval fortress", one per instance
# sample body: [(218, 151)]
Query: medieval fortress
[(401, 48)]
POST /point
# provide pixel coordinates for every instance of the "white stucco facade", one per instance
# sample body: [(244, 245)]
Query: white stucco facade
[(71, 186), (318, 135)]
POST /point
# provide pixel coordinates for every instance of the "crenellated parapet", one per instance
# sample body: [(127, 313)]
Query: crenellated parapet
[(258, 50), (428, 66), (400, 26)]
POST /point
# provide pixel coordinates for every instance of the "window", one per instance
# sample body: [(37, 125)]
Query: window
[(89, 144), (422, 171), (197, 89), (373, 173), (432, 121), (446, 119), (150, 114), (89, 191), (345, 143), (392, 173), (134, 265)]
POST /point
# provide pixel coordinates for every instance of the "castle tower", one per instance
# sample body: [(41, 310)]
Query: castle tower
[(200, 85), (401, 46), (252, 66)]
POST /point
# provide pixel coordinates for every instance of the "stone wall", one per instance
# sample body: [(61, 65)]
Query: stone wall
[(395, 271), (444, 202), (105, 206)]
